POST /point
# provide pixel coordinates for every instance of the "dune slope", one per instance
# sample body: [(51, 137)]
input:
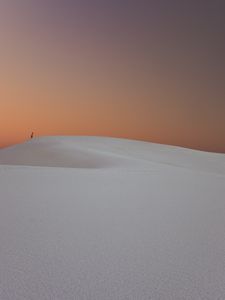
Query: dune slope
[(102, 218)]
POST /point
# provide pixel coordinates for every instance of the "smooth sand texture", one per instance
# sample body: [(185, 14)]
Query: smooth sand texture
[(100, 218)]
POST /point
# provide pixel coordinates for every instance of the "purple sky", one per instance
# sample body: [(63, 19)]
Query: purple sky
[(152, 70)]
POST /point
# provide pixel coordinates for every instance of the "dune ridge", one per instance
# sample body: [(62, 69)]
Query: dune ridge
[(101, 152)]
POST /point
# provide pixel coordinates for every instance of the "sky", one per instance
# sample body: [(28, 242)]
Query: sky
[(147, 70)]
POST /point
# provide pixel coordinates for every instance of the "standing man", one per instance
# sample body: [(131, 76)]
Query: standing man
[(32, 135)]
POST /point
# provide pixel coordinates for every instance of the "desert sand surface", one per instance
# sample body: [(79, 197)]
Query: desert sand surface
[(103, 218)]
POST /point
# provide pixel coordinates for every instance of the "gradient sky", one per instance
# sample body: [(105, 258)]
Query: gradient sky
[(151, 70)]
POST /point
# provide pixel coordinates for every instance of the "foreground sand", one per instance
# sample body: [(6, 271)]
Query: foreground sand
[(100, 218)]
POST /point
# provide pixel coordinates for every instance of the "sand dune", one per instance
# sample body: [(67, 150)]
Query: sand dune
[(100, 152), (103, 218)]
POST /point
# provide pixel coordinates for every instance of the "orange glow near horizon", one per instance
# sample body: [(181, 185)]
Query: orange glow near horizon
[(86, 76)]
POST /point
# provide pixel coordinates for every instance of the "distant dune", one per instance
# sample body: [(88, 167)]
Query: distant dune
[(102, 152), (105, 218)]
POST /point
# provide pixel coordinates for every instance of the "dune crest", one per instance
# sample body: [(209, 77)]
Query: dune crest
[(102, 152)]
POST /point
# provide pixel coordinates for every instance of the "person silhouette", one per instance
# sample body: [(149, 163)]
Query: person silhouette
[(32, 135)]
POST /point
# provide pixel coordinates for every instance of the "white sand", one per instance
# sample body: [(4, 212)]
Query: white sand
[(100, 218)]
